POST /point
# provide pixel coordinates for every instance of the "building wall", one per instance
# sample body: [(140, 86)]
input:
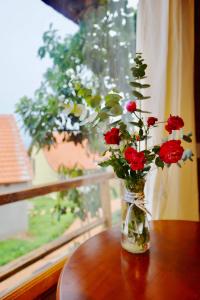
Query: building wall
[(14, 219), (14, 216), (42, 172)]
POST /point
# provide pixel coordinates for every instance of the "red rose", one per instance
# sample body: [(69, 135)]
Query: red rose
[(171, 152), (168, 128), (136, 159), (174, 123), (138, 162), (131, 106), (129, 154), (151, 121), (112, 136)]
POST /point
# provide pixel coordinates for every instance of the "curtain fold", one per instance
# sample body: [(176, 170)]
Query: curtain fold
[(165, 36)]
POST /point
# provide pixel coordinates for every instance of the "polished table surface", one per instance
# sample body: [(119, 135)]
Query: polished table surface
[(101, 270)]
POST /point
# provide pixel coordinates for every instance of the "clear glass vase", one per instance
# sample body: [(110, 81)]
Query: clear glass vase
[(135, 235)]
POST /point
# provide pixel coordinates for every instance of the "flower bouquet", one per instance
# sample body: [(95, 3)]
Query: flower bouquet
[(130, 154)]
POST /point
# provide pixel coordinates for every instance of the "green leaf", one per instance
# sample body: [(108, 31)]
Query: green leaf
[(147, 168), (144, 86), (135, 84), (112, 96), (187, 138), (139, 71), (122, 126), (147, 152), (156, 149), (150, 157), (135, 124), (95, 101), (139, 96), (139, 85), (42, 52), (105, 163), (77, 86), (140, 123), (83, 92), (103, 115), (112, 102), (116, 110), (159, 163)]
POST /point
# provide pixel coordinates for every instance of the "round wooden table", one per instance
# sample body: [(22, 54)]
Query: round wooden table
[(101, 270)]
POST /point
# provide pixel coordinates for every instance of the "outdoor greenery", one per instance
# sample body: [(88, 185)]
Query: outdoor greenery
[(80, 202), (85, 62), (43, 220), (90, 57), (48, 111), (43, 228)]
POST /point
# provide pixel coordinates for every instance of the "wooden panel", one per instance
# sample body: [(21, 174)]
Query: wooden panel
[(197, 69), (55, 187), (197, 84), (38, 285)]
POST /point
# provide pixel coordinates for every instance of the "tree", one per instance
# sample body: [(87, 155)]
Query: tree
[(96, 57)]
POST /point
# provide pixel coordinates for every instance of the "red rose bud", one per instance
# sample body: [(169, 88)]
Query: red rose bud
[(174, 123), (112, 137), (171, 152), (131, 106), (151, 121), (129, 154), (137, 138)]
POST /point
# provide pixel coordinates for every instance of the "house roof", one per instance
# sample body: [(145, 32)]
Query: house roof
[(70, 155), (15, 165), (72, 9)]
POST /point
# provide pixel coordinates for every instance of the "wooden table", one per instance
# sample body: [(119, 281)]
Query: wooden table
[(101, 270)]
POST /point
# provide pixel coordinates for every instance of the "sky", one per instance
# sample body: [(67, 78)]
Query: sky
[(22, 24)]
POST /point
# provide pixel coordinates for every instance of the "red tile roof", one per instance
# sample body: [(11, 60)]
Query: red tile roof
[(15, 165), (68, 154)]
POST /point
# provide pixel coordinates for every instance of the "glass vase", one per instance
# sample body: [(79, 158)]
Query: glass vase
[(134, 223)]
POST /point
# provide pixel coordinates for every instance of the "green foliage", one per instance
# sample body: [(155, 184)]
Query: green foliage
[(187, 137), (139, 72), (39, 118), (56, 106), (76, 201), (70, 172), (72, 57), (42, 229), (156, 148), (111, 111), (159, 163)]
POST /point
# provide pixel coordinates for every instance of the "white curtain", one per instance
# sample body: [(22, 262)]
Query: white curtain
[(165, 36)]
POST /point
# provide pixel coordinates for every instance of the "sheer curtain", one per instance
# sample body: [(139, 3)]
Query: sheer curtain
[(165, 35)]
